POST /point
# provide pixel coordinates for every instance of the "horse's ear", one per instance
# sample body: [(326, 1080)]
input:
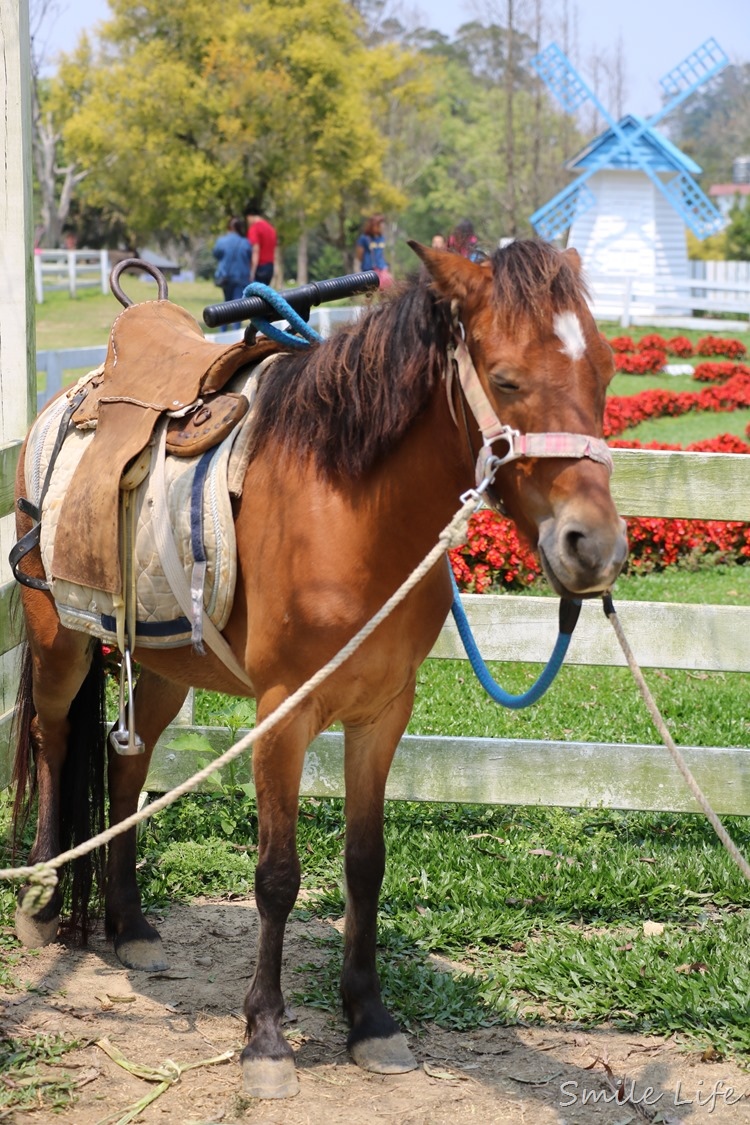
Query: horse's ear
[(452, 274), (573, 259)]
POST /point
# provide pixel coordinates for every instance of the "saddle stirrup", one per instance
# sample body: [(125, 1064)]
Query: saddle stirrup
[(123, 738)]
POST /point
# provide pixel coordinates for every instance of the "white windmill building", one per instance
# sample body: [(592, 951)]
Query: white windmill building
[(627, 211)]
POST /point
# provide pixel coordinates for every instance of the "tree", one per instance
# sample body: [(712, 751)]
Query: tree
[(57, 176), (186, 118), (737, 234), (713, 125)]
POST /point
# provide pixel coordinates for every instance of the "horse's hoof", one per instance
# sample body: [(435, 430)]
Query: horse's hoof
[(34, 933), (269, 1078), (143, 954), (384, 1056)]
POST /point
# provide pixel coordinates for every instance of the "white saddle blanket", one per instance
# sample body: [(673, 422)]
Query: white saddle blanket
[(197, 498)]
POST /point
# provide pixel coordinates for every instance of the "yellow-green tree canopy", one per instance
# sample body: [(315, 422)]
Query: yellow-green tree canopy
[(184, 114)]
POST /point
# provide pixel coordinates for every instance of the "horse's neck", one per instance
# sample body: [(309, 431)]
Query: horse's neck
[(434, 462)]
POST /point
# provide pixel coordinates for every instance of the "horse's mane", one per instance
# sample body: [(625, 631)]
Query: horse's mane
[(349, 400)]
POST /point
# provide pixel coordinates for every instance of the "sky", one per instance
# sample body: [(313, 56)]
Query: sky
[(655, 34)]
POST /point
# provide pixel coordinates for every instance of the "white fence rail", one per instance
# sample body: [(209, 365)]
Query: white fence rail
[(632, 299), (71, 270)]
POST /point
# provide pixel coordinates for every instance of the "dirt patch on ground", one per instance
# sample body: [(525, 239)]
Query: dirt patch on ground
[(524, 1076)]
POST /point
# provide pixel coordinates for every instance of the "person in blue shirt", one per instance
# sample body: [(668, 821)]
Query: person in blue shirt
[(369, 250), (233, 254)]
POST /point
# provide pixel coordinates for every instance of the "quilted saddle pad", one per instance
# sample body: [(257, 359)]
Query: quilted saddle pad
[(200, 513)]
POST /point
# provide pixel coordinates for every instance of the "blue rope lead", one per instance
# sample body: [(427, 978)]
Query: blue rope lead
[(285, 311), (569, 612)]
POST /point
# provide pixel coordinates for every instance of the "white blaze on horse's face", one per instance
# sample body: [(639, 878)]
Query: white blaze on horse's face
[(568, 327)]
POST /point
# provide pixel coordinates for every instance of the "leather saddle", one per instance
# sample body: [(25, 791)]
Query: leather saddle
[(158, 363)]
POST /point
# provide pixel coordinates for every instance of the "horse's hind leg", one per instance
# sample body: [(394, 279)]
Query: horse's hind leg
[(375, 1041), (60, 661), (137, 944)]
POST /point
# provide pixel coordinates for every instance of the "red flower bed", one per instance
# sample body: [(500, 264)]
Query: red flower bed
[(681, 346), (716, 345), (642, 363), (719, 372), (651, 343), (622, 412), (621, 344), (493, 555)]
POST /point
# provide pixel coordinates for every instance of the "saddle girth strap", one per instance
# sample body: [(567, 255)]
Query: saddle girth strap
[(172, 566)]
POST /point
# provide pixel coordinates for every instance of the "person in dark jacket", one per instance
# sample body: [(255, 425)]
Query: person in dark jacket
[(233, 255)]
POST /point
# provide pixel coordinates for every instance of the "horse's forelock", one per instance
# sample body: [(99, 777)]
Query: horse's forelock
[(532, 279)]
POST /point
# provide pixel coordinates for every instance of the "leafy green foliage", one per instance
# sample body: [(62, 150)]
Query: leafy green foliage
[(182, 869), (738, 231), (26, 1084)]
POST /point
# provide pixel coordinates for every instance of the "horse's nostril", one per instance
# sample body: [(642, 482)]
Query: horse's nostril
[(575, 542)]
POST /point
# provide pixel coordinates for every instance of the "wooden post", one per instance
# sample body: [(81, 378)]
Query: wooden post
[(626, 299), (17, 343)]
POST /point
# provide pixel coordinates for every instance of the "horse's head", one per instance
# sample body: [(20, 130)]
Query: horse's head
[(534, 362)]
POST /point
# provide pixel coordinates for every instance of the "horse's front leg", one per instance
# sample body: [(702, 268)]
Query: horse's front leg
[(375, 1041), (267, 1059), (137, 944)]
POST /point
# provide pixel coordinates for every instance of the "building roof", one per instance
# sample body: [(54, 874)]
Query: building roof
[(729, 189), (651, 148)]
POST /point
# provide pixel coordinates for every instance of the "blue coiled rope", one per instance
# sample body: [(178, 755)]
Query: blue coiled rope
[(569, 608), (285, 311)]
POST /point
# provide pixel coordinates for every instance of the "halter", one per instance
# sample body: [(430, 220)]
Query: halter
[(548, 444)]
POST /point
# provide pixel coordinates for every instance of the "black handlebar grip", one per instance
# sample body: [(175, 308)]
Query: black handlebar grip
[(301, 299)]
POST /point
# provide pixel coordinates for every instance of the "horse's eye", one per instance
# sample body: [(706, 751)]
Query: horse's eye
[(502, 382)]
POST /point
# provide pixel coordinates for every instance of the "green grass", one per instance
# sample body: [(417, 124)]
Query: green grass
[(62, 322), (495, 916), (32, 1079), (691, 427)]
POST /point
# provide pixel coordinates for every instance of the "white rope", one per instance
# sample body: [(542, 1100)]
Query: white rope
[(42, 875), (677, 757)]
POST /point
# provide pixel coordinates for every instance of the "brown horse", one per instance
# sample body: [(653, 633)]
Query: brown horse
[(362, 447)]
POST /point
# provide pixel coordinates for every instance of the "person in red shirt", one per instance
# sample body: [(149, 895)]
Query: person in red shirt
[(262, 237)]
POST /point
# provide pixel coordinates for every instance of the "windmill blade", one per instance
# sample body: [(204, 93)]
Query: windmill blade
[(703, 64), (554, 218), (564, 82), (695, 208)]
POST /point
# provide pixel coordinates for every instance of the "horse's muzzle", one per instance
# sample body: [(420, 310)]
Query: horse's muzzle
[(579, 560)]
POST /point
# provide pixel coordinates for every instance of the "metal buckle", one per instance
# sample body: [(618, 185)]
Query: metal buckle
[(506, 434)]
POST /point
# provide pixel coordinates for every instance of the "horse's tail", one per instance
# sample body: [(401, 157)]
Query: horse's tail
[(82, 787)]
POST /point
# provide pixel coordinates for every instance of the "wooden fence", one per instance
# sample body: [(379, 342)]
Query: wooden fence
[(510, 771)]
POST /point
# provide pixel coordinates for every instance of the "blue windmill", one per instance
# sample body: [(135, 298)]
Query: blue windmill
[(635, 193)]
